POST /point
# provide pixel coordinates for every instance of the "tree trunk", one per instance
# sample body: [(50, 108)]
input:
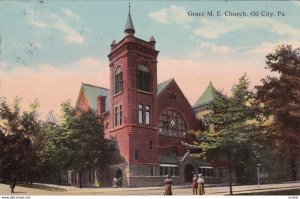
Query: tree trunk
[(293, 169), (26, 175), (230, 177), (80, 178), (58, 177)]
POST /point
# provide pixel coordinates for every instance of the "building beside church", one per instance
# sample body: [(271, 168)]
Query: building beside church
[(147, 123)]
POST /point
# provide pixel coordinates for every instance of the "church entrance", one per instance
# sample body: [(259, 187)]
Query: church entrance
[(119, 176), (188, 173)]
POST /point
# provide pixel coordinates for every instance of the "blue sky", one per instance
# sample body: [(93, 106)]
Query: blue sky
[(49, 47)]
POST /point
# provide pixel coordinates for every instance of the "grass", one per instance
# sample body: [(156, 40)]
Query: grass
[(278, 192), (42, 187)]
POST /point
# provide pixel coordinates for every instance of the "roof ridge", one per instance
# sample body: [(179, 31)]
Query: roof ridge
[(165, 81), (86, 84), (207, 95)]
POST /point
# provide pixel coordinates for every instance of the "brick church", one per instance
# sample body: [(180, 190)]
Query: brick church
[(147, 124)]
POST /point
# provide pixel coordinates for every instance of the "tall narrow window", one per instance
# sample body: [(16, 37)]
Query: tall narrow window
[(151, 145), (118, 80), (174, 151), (143, 78), (121, 114), (152, 170), (147, 114), (136, 155), (140, 114), (116, 116)]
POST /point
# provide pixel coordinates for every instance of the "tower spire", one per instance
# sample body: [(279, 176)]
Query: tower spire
[(129, 28)]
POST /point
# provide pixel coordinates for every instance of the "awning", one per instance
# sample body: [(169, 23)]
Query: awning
[(205, 167), (168, 165)]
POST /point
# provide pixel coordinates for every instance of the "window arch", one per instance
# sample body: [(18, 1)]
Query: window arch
[(143, 78), (171, 123), (118, 80)]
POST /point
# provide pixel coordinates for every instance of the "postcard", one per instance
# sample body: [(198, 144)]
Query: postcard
[(149, 98)]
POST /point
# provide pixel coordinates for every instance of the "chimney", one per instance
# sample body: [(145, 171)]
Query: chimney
[(101, 104)]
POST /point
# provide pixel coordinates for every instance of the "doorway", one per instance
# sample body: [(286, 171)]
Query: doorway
[(119, 176), (188, 173)]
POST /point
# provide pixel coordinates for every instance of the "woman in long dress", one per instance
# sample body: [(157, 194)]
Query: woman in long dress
[(200, 185), (168, 185), (195, 184)]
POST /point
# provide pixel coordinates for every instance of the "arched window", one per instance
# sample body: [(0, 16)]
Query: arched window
[(143, 78), (171, 123), (118, 80)]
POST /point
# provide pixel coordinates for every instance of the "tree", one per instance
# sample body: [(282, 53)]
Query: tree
[(279, 98), (17, 154), (51, 155), (82, 137), (233, 130)]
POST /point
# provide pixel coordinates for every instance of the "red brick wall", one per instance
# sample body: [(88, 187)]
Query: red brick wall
[(182, 106), (84, 103), (129, 53)]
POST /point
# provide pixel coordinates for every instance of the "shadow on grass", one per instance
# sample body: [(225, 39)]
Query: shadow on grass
[(42, 187), (278, 192)]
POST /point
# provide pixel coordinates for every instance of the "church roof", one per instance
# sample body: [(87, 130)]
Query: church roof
[(168, 160), (163, 85), (92, 92), (208, 95), (129, 24)]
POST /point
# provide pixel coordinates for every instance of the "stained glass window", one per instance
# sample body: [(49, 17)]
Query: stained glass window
[(171, 123)]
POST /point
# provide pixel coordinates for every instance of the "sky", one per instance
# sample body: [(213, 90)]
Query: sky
[(48, 48)]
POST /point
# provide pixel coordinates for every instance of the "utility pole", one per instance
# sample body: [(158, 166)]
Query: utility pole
[(258, 183)]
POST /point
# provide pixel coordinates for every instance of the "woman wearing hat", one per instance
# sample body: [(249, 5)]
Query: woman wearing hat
[(200, 185), (168, 182), (195, 184)]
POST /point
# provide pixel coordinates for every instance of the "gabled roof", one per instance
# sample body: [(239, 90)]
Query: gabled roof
[(163, 85), (208, 95), (92, 92)]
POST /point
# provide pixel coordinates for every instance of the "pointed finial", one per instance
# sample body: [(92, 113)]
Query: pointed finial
[(129, 7), (113, 43), (129, 29), (152, 40)]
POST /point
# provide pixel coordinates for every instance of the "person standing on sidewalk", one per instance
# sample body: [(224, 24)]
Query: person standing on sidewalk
[(115, 181), (195, 184), (200, 185), (168, 184), (13, 183)]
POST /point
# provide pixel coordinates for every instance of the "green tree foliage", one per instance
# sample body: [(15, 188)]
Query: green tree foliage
[(234, 130), (17, 151), (279, 99), (82, 139), (49, 151)]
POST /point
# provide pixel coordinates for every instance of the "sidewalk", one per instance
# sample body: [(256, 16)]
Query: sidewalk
[(211, 188), (177, 190)]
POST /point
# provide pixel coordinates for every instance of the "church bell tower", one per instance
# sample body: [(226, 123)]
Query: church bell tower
[(133, 100)]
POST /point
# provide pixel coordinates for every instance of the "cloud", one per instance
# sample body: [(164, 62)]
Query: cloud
[(211, 48), (53, 21), (212, 29), (268, 47), (70, 34), (296, 2), (33, 20), (52, 85), (173, 15), (70, 14)]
